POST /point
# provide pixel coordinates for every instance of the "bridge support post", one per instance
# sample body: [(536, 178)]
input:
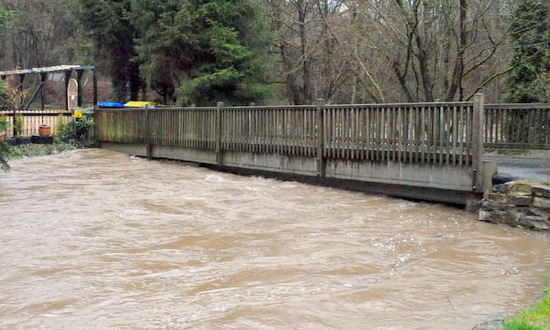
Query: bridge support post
[(477, 142), (148, 139), (320, 129), (219, 156)]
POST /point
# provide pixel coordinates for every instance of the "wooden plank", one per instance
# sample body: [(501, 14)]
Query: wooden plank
[(477, 139), (423, 137), (320, 141), (442, 135), (455, 134)]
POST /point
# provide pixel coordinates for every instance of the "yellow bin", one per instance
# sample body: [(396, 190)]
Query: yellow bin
[(140, 104)]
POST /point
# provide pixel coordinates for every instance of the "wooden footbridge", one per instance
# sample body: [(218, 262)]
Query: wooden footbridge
[(429, 151)]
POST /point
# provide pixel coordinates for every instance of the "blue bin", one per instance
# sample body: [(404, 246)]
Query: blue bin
[(110, 105)]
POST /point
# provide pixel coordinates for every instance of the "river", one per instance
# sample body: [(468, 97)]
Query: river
[(94, 239)]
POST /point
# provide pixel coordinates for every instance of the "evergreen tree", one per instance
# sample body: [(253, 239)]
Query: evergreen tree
[(205, 51), (6, 17), (109, 26), (530, 78)]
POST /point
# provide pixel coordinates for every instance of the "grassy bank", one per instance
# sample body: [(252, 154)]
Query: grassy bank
[(30, 150), (534, 318)]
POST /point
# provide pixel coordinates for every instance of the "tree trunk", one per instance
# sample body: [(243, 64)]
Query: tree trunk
[(306, 72)]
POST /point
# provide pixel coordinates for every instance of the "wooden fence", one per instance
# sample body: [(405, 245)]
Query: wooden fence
[(419, 133), (440, 133), (32, 119), (520, 126), (434, 149)]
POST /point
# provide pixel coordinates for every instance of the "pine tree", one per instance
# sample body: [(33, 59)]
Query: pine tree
[(204, 51), (6, 17), (529, 80), (109, 26)]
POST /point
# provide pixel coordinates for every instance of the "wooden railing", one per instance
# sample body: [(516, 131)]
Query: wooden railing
[(438, 133), (32, 119), (426, 145), (521, 126), (415, 133)]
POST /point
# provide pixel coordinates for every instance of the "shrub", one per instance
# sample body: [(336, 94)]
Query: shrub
[(18, 125), (81, 130), (3, 123), (60, 127)]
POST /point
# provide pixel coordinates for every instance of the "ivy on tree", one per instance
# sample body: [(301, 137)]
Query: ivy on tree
[(529, 80)]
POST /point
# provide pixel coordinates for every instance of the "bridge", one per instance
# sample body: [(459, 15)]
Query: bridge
[(428, 151)]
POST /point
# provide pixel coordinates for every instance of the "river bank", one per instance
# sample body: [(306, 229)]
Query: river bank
[(30, 150), (534, 318)]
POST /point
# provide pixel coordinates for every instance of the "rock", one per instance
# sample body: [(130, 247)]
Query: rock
[(538, 212), (490, 205), (485, 216), (534, 218), (509, 217), (522, 200), (500, 198), (539, 225), (541, 191), (543, 203), (500, 188), (490, 325), (519, 187)]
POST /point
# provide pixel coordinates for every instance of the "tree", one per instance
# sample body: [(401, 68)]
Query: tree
[(5, 21), (108, 24), (204, 51), (40, 29), (529, 80)]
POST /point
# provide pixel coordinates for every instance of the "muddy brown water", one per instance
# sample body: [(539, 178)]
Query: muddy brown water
[(95, 239)]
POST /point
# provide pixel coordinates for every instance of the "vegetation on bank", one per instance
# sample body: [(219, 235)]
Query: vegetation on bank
[(75, 135), (534, 318), (30, 150)]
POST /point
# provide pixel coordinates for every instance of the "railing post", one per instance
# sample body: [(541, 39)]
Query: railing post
[(94, 79), (219, 156), (477, 142), (148, 139), (320, 141)]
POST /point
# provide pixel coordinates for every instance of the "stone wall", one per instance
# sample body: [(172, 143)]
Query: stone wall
[(517, 203)]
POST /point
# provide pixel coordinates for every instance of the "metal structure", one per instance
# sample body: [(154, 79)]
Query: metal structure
[(67, 70)]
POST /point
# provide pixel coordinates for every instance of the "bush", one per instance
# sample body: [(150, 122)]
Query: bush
[(60, 127), (3, 157), (18, 125), (81, 130), (3, 123)]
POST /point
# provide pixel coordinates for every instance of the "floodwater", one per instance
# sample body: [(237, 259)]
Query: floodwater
[(94, 239)]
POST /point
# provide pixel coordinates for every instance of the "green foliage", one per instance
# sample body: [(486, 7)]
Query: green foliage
[(60, 127), (536, 318), (30, 150), (204, 51), (18, 125), (108, 24), (529, 80), (7, 17), (3, 157), (3, 123), (81, 131)]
